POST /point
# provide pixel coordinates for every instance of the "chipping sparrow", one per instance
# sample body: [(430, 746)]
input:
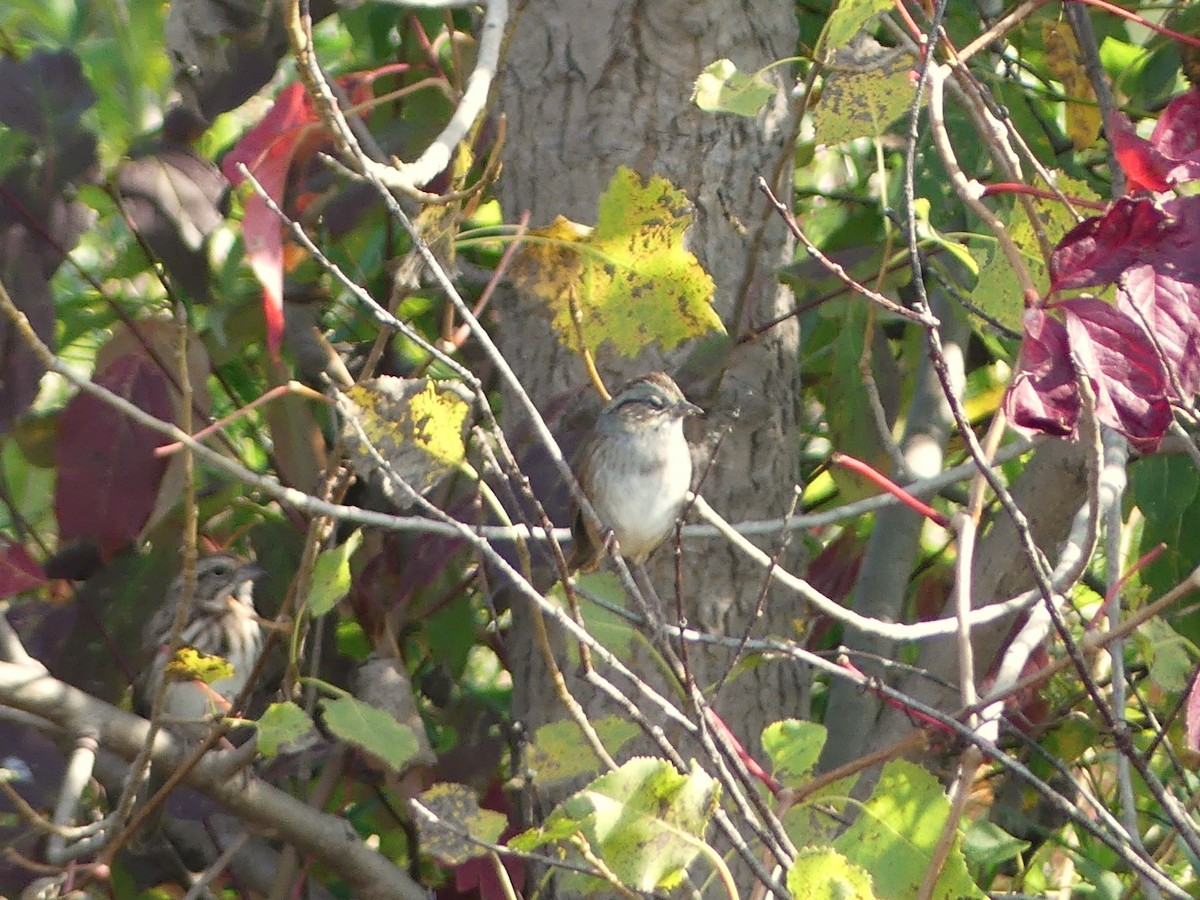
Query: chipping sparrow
[(221, 622), (635, 469)]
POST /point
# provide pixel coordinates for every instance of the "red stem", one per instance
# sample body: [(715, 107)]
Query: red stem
[(1134, 17), (1016, 187), (860, 467), (917, 715)]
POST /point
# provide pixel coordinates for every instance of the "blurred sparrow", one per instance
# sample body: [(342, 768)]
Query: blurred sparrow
[(635, 469), (221, 621)]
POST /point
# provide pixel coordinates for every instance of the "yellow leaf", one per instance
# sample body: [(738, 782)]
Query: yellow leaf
[(1066, 64), (189, 664), (629, 281), (416, 425)]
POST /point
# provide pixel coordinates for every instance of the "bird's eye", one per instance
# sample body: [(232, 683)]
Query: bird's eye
[(657, 403)]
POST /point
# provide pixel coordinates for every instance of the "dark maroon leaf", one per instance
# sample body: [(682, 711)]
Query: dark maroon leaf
[(39, 765), (1042, 395), (44, 95), (108, 476), (172, 195), (1127, 375), (1098, 250), (36, 233), (1170, 311), (38, 225), (1191, 716), (18, 570)]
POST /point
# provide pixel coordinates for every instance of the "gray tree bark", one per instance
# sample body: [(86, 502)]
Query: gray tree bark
[(588, 87)]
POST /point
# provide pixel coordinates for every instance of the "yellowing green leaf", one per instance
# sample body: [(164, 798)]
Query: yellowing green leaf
[(559, 752), (821, 873), (998, 293), (863, 102), (189, 664), (458, 815), (417, 425), (722, 88), (629, 282), (281, 724), (645, 821), (896, 832), (793, 747)]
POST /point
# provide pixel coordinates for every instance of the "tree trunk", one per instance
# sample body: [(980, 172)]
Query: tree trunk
[(591, 86)]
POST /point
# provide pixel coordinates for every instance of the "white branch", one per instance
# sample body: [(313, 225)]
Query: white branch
[(415, 175)]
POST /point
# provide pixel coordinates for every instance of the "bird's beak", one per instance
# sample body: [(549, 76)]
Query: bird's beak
[(250, 572), (690, 409)]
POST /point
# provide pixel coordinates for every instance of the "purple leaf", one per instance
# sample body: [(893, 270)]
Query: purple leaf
[(1042, 395), (1098, 250), (1127, 375), (1174, 252), (1177, 136), (1170, 311)]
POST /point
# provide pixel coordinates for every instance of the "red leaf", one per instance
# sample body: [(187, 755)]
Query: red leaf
[(108, 476), (1191, 716), (18, 570), (1169, 310), (286, 138), (1125, 370), (1042, 396), (1146, 168), (1098, 250)]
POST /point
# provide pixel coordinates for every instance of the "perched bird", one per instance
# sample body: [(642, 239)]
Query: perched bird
[(635, 469), (221, 621)]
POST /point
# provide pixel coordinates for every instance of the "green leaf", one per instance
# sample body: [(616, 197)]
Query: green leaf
[(281, 724), (630, 282), (1165, 489), (722, 88), (371, 729), (793, 746), (987, 844), (558, 752), (849, 18), (1167, 652), (821, 873), (863, 102), (645, 821), (926, 230), (895, 835), (458, 812), (331, 575), (611, 629)]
